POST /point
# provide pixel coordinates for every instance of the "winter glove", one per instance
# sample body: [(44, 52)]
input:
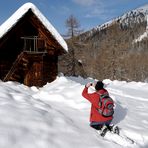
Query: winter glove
[(88, 85)]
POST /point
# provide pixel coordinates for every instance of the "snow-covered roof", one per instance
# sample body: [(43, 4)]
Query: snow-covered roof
[(8, 24)]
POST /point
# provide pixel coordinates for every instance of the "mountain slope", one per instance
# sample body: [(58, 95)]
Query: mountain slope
[(117, 49), (128, 19)]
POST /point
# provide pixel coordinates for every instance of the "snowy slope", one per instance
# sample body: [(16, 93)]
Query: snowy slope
[(130, 18), (57, 116), (138, 15)]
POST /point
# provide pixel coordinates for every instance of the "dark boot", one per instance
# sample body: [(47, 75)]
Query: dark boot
[(104, 130)]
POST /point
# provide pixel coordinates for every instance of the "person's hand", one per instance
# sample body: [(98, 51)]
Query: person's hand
[(88, 84)]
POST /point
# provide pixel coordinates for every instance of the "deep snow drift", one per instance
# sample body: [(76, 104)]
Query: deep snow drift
[(57, 116)]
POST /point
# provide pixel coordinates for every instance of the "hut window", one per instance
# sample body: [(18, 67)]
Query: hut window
[(33, 44)]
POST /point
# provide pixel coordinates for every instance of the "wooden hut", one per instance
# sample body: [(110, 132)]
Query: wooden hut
[(29, 48)]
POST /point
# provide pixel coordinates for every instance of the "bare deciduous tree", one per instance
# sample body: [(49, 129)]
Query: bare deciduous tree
[(73, 26)]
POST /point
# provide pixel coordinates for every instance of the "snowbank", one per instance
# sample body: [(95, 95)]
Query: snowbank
[(56, 115)]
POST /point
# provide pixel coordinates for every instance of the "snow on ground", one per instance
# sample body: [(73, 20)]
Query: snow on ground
[(57, 116)]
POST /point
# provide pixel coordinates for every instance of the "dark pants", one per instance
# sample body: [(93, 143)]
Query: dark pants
[(99, 125)]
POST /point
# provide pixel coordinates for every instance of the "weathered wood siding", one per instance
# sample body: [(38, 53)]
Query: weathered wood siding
[(36, 68), (43, 70)]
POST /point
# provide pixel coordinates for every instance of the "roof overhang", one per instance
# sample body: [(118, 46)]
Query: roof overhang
[(12, 21)]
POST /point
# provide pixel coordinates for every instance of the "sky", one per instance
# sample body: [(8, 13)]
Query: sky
[(57, 116), (89, 13)]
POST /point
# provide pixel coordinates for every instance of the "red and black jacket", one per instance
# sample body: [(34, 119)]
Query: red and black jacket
[(93, 98)]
